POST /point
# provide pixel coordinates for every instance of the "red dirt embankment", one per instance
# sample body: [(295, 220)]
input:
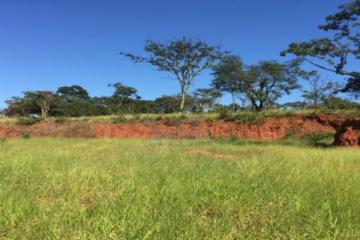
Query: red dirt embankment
[(348, 134), (268, 129)]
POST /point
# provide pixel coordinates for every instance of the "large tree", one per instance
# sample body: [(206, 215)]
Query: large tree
[(123, 98), (184, 58), (46, 101), (266, 82), (74, 101), (334, 53), (228, 76), (72, 93)]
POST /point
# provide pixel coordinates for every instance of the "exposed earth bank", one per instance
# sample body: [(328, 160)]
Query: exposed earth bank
[(348, 134), (271, 128)]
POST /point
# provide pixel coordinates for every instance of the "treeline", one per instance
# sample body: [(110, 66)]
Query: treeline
[(75, 101), (251, 87)]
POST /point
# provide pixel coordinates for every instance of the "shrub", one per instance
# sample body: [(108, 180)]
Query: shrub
[(170, 121), (249, 117), (27, 121), (291, 133), (182, 117), (224, 115), (159, 118), (320, 138), (25, 135), (60, 120), (118, 119)]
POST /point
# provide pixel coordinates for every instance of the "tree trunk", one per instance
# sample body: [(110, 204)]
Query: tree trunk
[(182, 104), (233, 102), (261, 106), (44, 112)]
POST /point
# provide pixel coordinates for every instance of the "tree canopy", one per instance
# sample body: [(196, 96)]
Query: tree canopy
[(334, 53), (184, 58), (229, 76)]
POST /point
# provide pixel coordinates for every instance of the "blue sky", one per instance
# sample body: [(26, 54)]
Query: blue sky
[(46, 44)]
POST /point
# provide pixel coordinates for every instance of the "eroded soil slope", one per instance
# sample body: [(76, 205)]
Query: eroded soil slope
[(268, 129), (348, 134)]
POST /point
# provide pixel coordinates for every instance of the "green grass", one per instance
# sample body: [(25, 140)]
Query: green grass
[(239, 117), (177, 189)]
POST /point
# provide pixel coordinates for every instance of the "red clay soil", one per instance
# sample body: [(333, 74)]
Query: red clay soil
[(348, 133), (269, 129)]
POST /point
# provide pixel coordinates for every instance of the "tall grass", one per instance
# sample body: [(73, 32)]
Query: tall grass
[(177, 189), (240, 117)]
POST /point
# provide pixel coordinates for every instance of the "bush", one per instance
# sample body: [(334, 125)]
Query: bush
[(118, 119), (320, 138), (242, 117), (27, 121), (25, 135), (170, 121), (224, 115), (249, 117), (291, 133), (339, 103), (60, 120)]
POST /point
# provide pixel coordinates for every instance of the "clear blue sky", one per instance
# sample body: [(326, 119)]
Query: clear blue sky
[(46, 44)]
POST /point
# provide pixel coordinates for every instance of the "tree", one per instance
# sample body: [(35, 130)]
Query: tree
[(73, 93), (170, 104), (33, 102), (319, 89), (74, 101), (16, 106), (334, 53), (228, 76), (45, 100), (184, 58), (266, 82), (123, 97), (206, 97), (166, 104)]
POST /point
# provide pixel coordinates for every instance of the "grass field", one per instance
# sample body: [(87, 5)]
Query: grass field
[(177, 189)]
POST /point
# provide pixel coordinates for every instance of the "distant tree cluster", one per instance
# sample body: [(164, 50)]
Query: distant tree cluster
[(74, 101), (257, 86)]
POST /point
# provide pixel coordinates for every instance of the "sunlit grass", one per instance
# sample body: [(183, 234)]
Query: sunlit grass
[(241, 116), (177, 189)]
